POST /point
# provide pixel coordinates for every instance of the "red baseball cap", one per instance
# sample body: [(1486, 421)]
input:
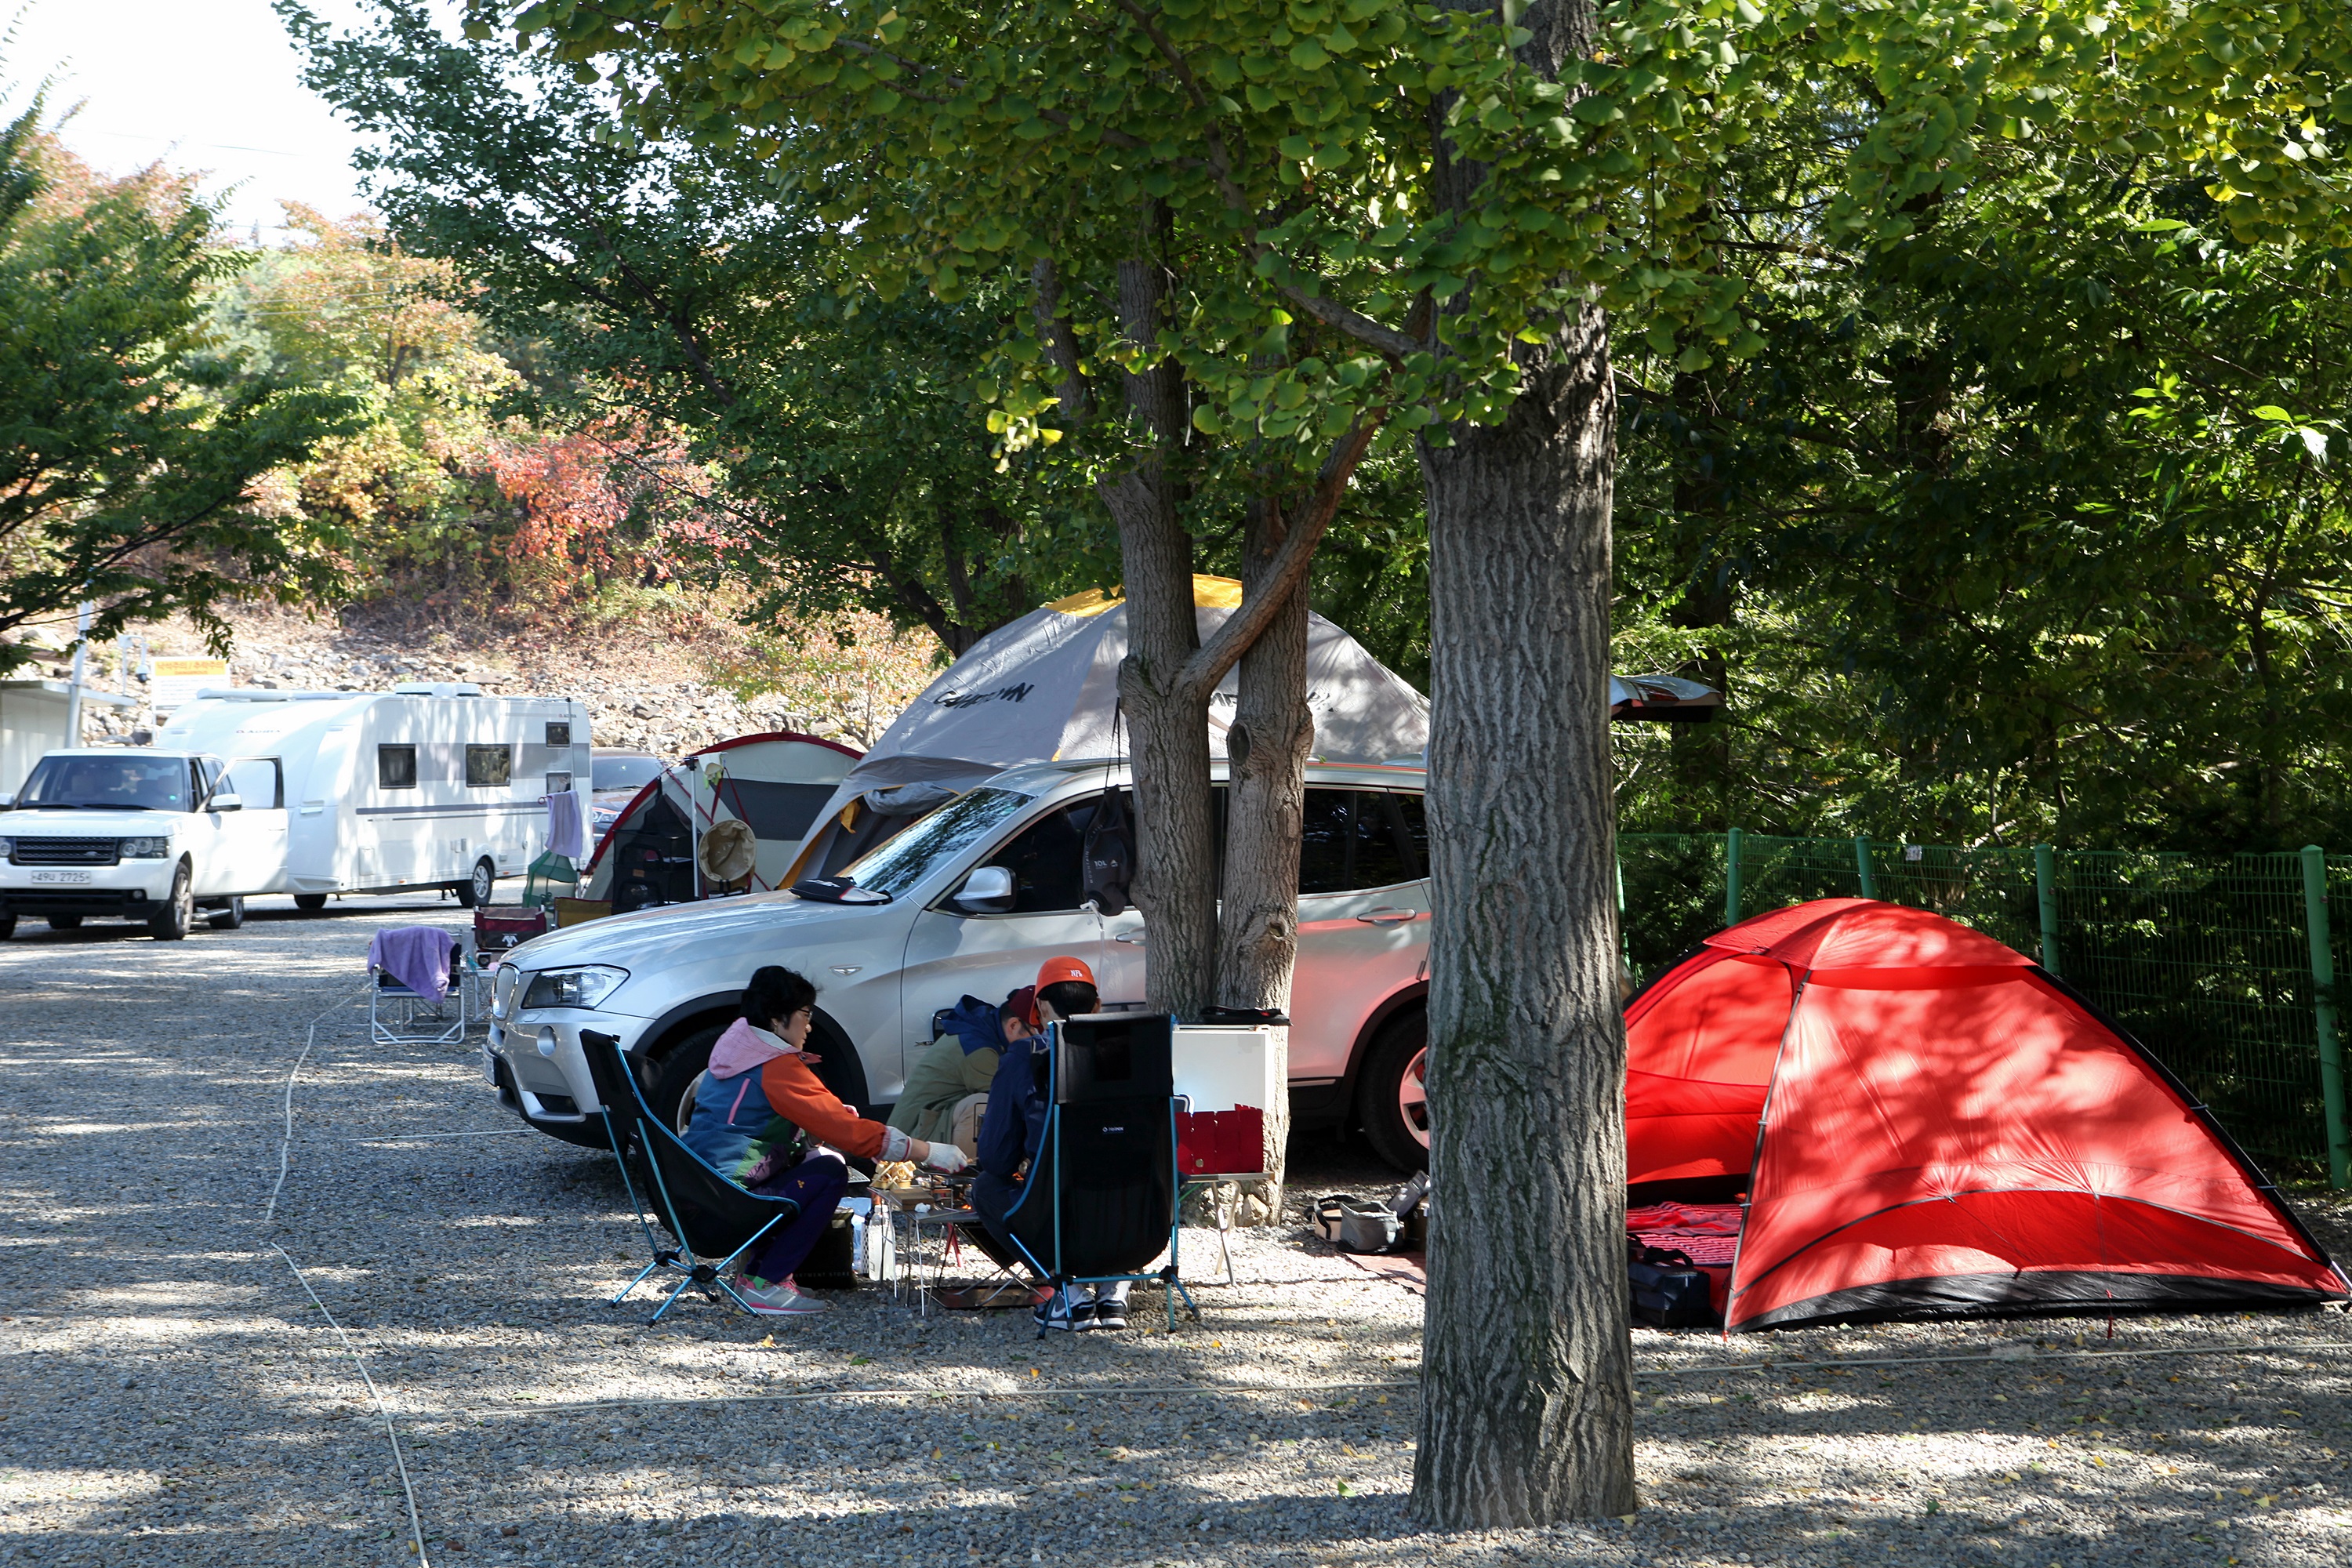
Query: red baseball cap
[(1054, 970)]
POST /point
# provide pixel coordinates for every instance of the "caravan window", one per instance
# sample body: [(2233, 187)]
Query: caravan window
[(558, 782), (490, 767), (559, 733), (395, 767)]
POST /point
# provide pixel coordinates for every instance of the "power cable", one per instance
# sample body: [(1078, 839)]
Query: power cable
[(1293, 1389)]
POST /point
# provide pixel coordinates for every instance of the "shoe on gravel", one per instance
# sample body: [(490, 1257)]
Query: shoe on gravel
[(1065, 1311), (778, 1300), (1109, 1312)]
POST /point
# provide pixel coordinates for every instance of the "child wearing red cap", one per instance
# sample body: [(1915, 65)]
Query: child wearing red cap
[(1014, 1129)]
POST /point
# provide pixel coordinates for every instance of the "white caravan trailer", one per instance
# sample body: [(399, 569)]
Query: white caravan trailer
[(427, 786)]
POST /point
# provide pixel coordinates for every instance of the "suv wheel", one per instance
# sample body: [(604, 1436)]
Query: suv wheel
[(309, 903), (475, 892), (64, 922), (1393, 1096), (171, 922), (7, 927), (229, 916), (683, 1065)]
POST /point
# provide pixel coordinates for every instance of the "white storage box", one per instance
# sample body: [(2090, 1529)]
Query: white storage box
[(1225, 1086)]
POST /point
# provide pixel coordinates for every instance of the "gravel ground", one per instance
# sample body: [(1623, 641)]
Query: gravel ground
[(171, 1396)]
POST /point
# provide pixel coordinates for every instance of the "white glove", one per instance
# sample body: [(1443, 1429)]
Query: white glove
[(944, 1158)]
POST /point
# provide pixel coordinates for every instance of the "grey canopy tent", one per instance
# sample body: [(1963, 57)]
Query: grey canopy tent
[(1045, 688)]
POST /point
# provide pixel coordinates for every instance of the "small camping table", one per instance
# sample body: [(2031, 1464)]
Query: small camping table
[(1222, 1212)]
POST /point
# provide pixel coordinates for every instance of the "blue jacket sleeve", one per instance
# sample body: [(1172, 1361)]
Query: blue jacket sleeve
[(1005, 1138)]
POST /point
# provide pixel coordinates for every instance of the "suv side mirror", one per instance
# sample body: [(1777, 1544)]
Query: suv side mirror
[(987, 892), (225, 800)]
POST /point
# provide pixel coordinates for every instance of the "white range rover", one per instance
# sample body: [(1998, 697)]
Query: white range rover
[(970, 900), (133, 833)]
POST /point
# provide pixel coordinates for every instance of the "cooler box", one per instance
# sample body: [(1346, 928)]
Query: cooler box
[(1225, 1086)]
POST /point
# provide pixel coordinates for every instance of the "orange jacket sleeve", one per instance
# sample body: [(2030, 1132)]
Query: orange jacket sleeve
[(795, 1094)]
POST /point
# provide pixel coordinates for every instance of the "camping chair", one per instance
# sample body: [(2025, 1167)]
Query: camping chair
[(1101, 1199), (705, 1213), (399, 1014)]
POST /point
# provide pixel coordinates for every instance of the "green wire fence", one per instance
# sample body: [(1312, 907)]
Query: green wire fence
[(2223, 965)]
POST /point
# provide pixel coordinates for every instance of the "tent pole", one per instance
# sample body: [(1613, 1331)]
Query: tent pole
[(2045, 888), (1862, 867), (1730, 876), (2323, 1008)]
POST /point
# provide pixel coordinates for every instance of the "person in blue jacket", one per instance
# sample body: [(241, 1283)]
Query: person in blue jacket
[(1014, 1130), (952, 1077)]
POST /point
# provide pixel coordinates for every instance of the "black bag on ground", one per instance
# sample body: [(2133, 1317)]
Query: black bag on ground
[(827, 1266), (1669, 1289), (1357, 1225)]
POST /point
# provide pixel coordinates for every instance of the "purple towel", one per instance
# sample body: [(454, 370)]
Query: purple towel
[(567, 833), (416, 956)]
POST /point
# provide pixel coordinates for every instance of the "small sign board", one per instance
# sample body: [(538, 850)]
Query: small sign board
[(177, 680)]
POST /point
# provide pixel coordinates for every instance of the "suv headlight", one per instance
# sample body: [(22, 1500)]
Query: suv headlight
[(581, 987), (146, 848)]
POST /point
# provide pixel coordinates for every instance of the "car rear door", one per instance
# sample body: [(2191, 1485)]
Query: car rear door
[(1363, 920)]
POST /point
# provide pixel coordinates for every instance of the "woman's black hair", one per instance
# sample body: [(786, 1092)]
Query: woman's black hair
[(1070, 997), (775, 995)]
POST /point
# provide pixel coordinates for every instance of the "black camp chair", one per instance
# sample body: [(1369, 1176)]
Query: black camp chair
[(1100, 1201), (708, 1214)]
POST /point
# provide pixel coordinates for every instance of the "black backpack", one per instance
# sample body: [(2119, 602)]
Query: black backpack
[(1669, 1289)]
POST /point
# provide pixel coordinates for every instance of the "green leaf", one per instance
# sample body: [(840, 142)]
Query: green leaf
[(2273, 412), (1308, 54)]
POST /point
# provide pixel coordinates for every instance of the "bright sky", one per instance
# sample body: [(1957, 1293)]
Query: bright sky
[(207, 86)]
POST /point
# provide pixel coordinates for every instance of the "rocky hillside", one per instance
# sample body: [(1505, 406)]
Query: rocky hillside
[(666, 680)]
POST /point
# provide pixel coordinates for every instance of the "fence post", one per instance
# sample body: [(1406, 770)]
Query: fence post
[(2045, 888), (1731, 875), (2323, 981), (1861, 865)]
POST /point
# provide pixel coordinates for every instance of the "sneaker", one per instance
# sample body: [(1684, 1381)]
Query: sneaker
[(1109, 1312), (779, 1300), (1065, 1311)]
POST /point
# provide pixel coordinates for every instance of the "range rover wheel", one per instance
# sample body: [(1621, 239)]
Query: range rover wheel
[(7, 927), (1393, 1096), (64, 922), (309, 903), (229, 916), (475, 892), (171, 921)]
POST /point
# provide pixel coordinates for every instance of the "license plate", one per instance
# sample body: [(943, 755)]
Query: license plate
[(67, 878)]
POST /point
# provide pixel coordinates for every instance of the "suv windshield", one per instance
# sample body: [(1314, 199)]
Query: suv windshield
[(939, 837), (123, 784), (623, 771)]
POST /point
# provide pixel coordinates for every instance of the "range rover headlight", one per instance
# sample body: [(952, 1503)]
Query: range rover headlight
[(146, 848), (581, 987)]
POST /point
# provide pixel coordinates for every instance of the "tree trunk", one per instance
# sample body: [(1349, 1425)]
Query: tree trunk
[(1167, 710), (1266, 804), (1526, 1393)]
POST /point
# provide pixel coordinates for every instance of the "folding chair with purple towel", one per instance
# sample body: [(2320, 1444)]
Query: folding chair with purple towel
[(413, 969)]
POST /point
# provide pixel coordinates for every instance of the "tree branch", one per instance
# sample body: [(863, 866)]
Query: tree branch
[(1288, 568)]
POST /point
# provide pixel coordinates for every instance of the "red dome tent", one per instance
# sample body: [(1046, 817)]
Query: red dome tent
[(1930, 1125)]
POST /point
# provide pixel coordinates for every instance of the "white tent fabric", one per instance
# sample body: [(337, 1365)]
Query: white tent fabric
[(1046, 687)]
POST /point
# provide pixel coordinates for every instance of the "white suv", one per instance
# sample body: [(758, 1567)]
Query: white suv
[(938, 923), (141, 834)]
